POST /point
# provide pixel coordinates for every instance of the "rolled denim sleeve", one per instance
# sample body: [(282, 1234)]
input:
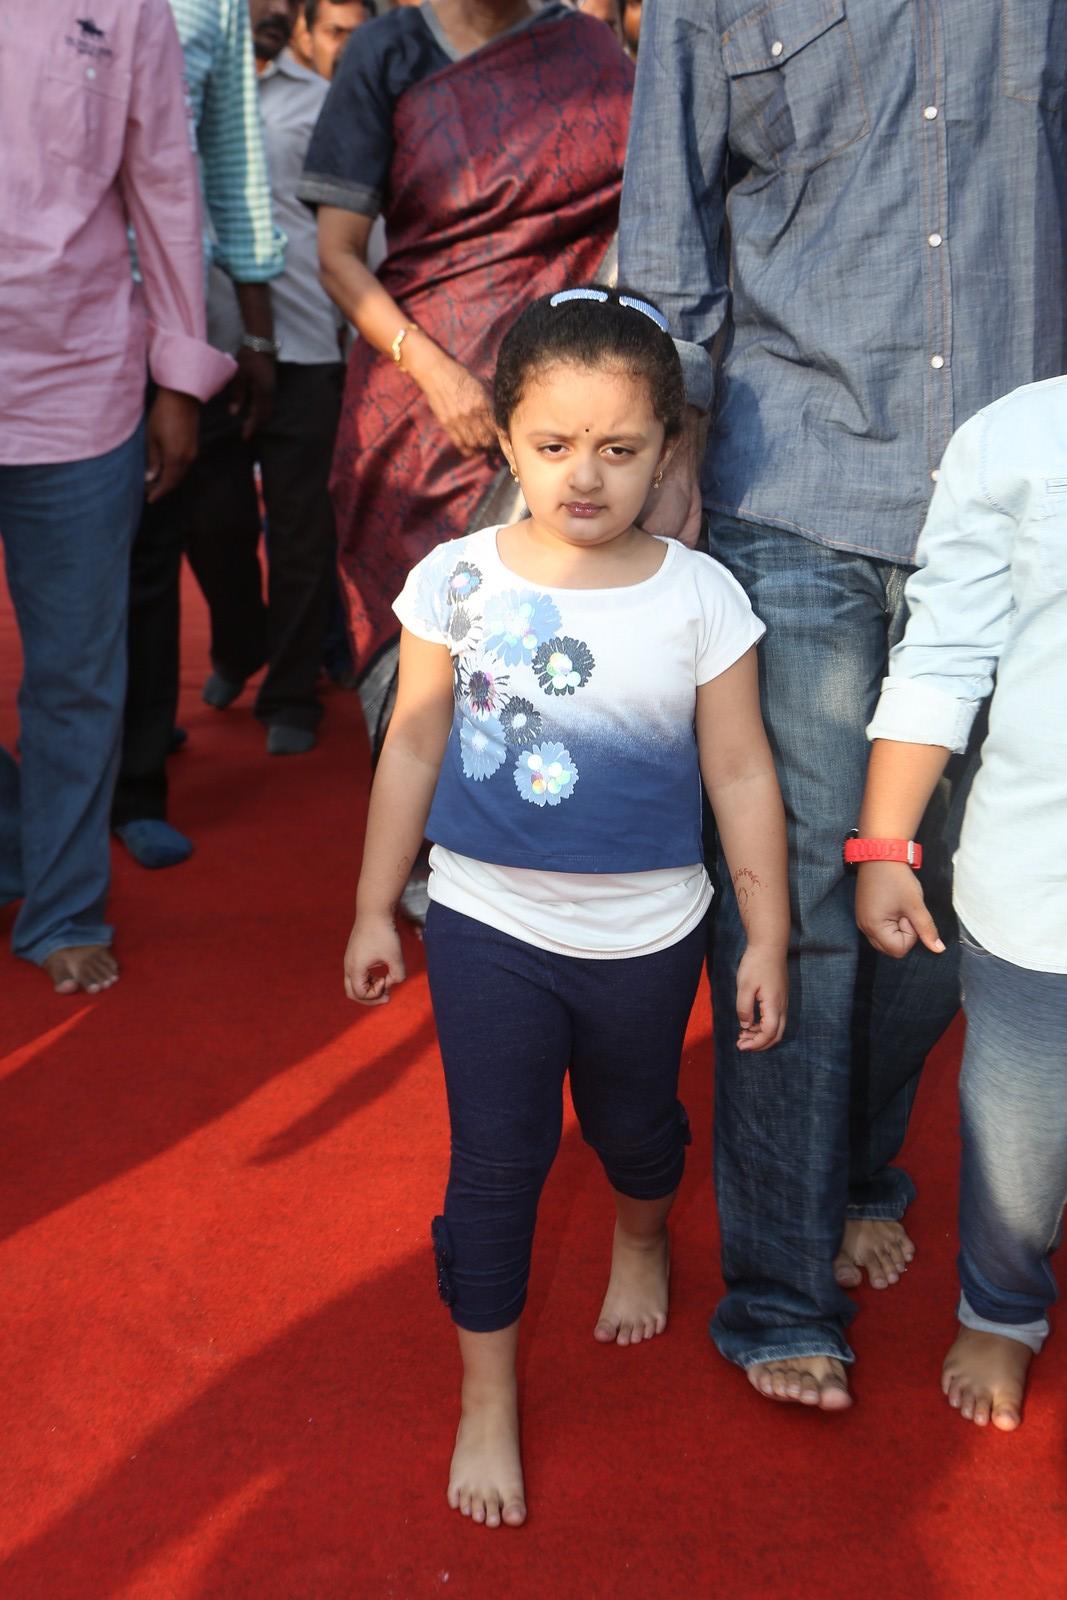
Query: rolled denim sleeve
[(960, 603), (247, 245), (671, 226)]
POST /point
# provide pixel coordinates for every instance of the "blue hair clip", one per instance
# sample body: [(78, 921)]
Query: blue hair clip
[(578, 294), (601, 296)]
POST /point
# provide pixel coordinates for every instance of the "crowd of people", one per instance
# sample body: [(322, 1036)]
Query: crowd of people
[(797, 487)]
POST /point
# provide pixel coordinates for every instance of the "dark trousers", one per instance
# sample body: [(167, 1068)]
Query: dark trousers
[(214, 516), (511, 1020)]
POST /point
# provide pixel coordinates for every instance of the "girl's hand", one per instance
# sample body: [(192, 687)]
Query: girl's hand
[(373, 961), (891, 911), (762, 983), (460, 403)]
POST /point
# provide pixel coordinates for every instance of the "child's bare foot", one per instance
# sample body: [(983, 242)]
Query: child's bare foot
[(635, 1306), (91, 967), (485, 1482), (808, 1380), (881, 1249), (984, 1378)]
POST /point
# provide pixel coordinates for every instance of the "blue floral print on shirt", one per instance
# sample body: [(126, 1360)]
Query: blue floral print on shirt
[(545, 775), (521, 722), (482, 747), (516, 622), (482, 686)]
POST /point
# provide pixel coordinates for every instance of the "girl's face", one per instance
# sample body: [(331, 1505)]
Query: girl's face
[(586, 445)]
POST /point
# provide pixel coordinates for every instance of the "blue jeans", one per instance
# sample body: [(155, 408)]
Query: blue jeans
[(806, 1134), (66, 529), (1013, 1096), (511, 1020)]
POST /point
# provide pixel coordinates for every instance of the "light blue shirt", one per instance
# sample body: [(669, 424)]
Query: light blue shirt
[(989, 604), (224, 107), (862, 208)]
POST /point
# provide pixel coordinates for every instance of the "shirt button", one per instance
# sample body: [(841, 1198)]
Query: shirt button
[(934, 240), (935, 474), (776, 48), (90, 72), (937, 362), (930, 113)]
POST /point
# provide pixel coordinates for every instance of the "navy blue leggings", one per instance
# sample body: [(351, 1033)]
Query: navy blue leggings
[(511, 1019)]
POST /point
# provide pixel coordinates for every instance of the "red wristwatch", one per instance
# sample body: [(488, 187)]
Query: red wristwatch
[(903, 850)]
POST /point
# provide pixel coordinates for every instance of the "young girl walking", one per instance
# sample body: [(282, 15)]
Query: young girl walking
[(989, 607), (564, 682)]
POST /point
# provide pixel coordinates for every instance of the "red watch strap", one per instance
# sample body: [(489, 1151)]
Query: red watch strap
[(903, 850)]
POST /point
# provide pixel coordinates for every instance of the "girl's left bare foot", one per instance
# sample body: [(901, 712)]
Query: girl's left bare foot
[(486, 1482), (81, 967), (984, 1378), (635, 1306), (882, 1249)]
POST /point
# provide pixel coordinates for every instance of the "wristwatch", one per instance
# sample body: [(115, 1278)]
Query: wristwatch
[(906, 851), (262, 346), (399, 337)]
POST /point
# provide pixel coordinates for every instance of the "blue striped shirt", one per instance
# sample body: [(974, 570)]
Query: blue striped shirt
[(224, 106)]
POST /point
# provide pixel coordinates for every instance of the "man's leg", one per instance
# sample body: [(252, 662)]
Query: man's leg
[(67, 530), (1013, 1095), (782, 1124), (297, 450)]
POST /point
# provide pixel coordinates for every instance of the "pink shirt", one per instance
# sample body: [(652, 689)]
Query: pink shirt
[(95, 136)]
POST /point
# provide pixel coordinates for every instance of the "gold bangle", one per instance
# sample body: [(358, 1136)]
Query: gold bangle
[(399, 337)]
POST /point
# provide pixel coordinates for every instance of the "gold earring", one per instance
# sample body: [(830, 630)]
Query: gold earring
[(658, 479), (514, 474)]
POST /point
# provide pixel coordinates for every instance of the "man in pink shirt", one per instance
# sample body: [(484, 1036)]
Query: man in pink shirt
[(94, 138)]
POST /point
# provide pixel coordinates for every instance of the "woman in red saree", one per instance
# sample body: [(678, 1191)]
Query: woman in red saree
[(491, 138)]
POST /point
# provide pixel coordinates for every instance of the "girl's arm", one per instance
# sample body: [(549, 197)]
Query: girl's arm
[(396, 821), (457, 399), (739, 776), (890, 908)]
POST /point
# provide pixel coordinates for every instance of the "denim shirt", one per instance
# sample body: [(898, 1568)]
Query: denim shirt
[(989, 606), (863, 208)]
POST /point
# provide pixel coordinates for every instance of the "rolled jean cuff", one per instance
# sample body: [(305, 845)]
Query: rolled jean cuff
[(883, 1198), (1032, 1334), (780, 1344)]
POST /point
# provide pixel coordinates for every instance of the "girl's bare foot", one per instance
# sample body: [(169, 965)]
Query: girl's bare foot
[(91, 967), (881, 1249), (984, 1378), (485, 1482), (808, 1380), (635, 1306)]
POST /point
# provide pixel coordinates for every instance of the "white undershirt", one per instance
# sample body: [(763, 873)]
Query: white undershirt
[(606, 915)]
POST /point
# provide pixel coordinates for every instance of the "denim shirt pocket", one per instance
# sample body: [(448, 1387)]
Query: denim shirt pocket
[(1048, 516), (796, 95), (87, 108), (1034, 52)]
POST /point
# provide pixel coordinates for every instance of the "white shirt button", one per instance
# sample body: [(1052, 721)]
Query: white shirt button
[(930, 113), (935, 474), (90, 72), (937, 362), (934, 240), (776, 48)]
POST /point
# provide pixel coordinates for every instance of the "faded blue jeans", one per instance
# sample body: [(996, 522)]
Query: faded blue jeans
[(1013, 1178), (808, 1132), (66, 529)]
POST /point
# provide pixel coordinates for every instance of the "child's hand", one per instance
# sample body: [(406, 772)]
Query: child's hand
[(891, 911), (373, 960), (762, 990)]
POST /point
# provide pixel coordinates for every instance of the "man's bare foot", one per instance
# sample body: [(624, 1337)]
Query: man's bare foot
[(809, 1380), (91, 967), (984, 1378), (635, 1306), (485, 1482), (881, 1249)]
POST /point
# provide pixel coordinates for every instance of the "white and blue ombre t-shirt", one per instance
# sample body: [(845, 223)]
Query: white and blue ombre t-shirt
[(573, 750)]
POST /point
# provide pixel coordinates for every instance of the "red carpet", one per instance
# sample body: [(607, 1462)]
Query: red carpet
[(224, 1369)]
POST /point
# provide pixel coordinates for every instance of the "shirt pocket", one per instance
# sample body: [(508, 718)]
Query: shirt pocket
[(1048, 518), (796, 95), (85, 111), (1034, 52)]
